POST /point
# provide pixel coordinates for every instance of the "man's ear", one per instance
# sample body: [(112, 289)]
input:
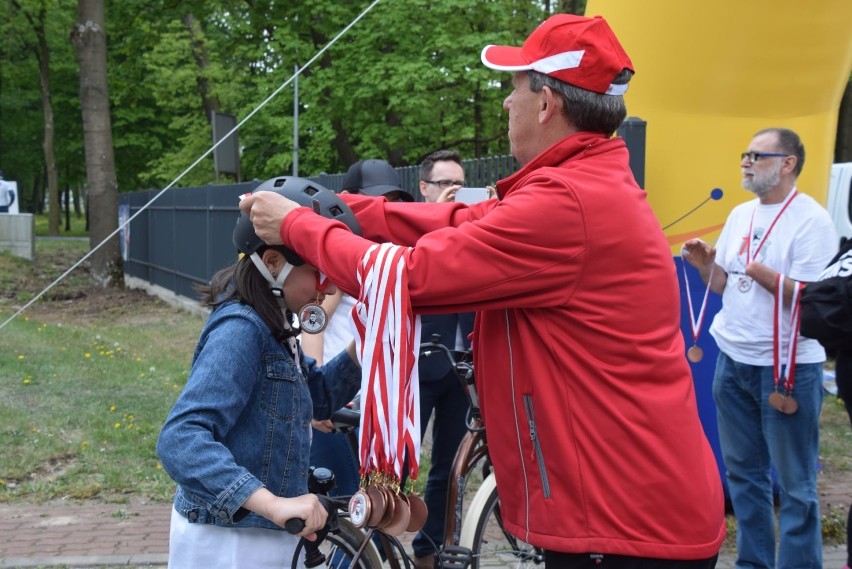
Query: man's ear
[(790, 163), (549, 105)]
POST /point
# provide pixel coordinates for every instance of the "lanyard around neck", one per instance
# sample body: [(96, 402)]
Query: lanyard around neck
[(787, 201)]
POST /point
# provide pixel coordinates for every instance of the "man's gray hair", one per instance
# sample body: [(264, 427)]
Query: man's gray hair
[(788, 143), (586, 110)]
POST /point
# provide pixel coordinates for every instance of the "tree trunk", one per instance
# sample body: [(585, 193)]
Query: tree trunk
[(89, 37), (42, 53), (49, 134), (209, 103)]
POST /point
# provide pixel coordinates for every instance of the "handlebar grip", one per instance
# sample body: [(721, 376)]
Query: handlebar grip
[(294, 525)]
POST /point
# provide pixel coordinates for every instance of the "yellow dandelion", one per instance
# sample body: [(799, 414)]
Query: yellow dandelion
[(112, 408), (117, 426), (87, 355), (26, 381), (84, 445), (20, 356), (159, 466)]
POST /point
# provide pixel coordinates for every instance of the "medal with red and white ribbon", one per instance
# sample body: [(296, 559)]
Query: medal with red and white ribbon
[(695, 353), (785, 375), (387, 339)]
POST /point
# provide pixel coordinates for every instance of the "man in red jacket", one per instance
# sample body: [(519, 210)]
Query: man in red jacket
[(588, 400)]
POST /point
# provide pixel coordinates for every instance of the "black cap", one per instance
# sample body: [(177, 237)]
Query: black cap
[(374, 178)]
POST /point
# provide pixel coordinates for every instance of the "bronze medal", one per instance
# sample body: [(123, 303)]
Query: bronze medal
[(790, 405), (784, 404), (418, 513), (390, 506), (377, 505), (359, 508), (401, 516), (694, 354)]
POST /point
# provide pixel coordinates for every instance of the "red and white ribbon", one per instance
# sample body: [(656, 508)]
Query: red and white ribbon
[(793, 336), (696, 322), (387, 339)]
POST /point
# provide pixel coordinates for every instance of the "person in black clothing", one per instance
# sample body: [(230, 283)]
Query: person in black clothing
[(440, 389)]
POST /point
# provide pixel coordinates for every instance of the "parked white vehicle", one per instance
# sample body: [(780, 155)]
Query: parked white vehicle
[(839, 203)]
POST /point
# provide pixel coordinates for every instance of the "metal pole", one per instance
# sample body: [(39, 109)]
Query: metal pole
[(296, 122)]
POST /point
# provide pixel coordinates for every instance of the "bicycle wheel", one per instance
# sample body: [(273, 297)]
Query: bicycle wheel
[(340, 548), (483, 533)]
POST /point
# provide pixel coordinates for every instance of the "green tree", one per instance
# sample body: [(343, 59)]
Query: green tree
[(89, 37)]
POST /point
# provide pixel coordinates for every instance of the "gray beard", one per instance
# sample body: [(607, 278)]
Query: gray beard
[(762, 184)]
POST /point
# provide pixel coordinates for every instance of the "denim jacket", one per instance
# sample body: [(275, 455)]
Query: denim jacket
[(243, 420)]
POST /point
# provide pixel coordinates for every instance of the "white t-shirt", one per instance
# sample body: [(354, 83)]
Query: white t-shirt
[(339, 332), (799, 246)]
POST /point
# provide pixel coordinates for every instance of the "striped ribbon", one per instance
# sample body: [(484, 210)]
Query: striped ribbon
[(792, 342), (387, 339)]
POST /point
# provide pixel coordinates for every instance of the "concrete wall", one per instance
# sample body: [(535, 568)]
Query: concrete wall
[(17, 234)]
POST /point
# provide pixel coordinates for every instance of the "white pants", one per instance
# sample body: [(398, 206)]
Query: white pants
[(204, 545)]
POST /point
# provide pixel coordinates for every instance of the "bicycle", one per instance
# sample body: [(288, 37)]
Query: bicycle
[(476, 538), (339, 544), (473, 539)]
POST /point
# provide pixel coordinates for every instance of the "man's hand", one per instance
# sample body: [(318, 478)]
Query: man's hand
[(267, 210), (699, 254)]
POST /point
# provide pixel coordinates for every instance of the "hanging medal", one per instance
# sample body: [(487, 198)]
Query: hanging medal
[(695, 353), (785, 377), (313, 318), (388, 334)]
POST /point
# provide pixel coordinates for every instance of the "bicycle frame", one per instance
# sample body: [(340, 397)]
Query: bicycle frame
[(471, 451)]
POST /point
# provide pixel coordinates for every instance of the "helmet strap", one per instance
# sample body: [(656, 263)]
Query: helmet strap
[(276, 284)]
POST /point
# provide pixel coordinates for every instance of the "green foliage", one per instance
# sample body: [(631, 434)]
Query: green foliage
[(404, 81)]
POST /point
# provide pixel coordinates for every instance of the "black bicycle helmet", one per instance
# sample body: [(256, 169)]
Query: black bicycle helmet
[(304, 192)]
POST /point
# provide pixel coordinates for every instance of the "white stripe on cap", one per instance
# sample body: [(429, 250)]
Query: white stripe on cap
[(558, 62)]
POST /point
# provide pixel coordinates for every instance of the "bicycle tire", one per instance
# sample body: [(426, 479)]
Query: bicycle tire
[(340, 549), (490, 544)]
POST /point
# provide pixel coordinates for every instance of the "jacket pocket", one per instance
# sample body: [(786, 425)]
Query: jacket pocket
[(282, 386), (529, 409)]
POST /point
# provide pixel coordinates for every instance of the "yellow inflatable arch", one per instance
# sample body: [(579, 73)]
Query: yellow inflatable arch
[(711, 74)]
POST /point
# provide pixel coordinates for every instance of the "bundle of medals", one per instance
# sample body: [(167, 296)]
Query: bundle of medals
[(380, 504), (785, 375), (387, 338)]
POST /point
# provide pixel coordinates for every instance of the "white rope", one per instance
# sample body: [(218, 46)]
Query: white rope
[(194, 164)]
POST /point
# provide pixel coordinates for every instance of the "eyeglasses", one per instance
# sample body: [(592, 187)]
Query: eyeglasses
[(444, 184), (755, 156)]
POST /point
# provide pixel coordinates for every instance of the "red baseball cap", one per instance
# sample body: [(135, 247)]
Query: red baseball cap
[(580, 51)]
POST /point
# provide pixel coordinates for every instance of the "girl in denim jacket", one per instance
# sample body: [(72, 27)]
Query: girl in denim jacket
[(237, 441)]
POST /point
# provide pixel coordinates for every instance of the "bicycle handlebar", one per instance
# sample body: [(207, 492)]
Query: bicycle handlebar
[(331, 505)]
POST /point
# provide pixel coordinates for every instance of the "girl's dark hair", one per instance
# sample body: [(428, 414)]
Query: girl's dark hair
[(243, 283)]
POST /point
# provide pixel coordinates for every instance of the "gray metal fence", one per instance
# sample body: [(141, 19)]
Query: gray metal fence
[(184, 237)]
